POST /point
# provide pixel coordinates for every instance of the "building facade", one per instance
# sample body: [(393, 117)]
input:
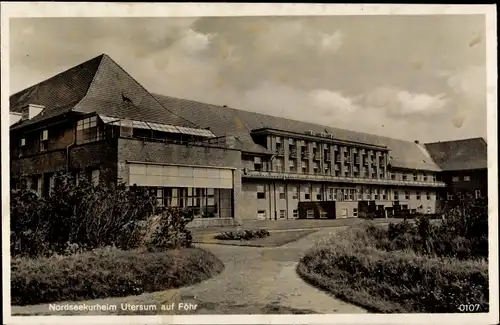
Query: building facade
[(227, 165)]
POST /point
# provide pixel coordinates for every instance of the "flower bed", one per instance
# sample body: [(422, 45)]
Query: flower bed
[(242, 234)]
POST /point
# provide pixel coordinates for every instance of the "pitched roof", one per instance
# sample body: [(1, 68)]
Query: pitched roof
[(225, 121), (98, 85), (459, 154)]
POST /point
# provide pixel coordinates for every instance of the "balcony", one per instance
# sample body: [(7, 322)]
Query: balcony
[(338, 179)]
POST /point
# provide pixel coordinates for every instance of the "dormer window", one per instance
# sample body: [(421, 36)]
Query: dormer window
[(44, 140)]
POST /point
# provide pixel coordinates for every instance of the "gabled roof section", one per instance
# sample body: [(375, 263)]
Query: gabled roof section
[(227, 121), (98, 85), (459, 154), (114, 92), (59, 93)]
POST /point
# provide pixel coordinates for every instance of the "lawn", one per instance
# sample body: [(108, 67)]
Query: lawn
[(273, 240), (105, 273), (367, 267)]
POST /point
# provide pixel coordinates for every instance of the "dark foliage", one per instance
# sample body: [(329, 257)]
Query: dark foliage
[(243, 234)]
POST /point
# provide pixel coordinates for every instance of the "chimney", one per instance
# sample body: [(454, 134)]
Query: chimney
[(31, 111)]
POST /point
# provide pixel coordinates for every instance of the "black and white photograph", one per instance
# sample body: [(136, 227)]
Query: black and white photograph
[(165, 162)]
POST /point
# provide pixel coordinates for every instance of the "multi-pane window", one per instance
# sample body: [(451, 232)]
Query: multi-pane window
[(282, 193), (334, 193), (257, 163), (428, 194), (261, 192), (310, 214), (318, 194), (261, 214), (383, 194), (279, 166), (396, 195), (415, 177), (375, 194), (455, 179), (44, 140), (467, 178), (307, 193), (295, 214), (352, 192), (95, 174), (407, 195), (282, 214), (367, 194), (346, 194), (88, 130), (159, 197), (295, 193), (418, 195), (354, 212), (477, 194), (449, 196)]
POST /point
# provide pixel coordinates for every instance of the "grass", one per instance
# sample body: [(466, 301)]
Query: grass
[(273, 240), (394, 281), (107, 273)]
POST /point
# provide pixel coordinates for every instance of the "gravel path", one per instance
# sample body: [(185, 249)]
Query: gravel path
[(254, 281)]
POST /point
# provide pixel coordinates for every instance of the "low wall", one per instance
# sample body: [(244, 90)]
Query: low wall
[(212, 222)]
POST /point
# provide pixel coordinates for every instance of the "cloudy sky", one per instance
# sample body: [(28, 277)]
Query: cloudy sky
[(409, 77)]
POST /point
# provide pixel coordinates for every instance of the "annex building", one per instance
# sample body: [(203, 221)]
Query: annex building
[(227, 165)]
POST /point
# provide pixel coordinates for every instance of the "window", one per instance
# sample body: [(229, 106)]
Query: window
[(346, 194), (396, 196), (404, 177), (87, 130), (393, 176), (375, 194), (407, 195), (477, 194), (282, 193), (307, 193), (449, 196), (384, 194), (418, 195), (319, 194), (295, 193), (415, 177), (261, 215), (330, 194), (22, 147), (295, 214), (44, 140), (323, 215), (282, 214), (334, 191), (279, 166), (433, 178), (428, 195), (367, 194), (352, 191), (455, 179), (467, 178), (310, 214), (159, 197), (354, 212), (95, 176), (257, 163), (359, 194), (261, 192), (22, 143)]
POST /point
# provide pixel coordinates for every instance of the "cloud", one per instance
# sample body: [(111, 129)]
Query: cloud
[(193, 42), (399, 103), (332, 100), (331, 42)]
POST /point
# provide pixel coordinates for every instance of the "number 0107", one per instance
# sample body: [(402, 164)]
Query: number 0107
[(469, 308)]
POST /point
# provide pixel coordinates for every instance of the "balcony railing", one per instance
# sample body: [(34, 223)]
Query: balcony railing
[(340, 179)]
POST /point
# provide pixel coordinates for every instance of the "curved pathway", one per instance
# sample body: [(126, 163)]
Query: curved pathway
[(254, 281)]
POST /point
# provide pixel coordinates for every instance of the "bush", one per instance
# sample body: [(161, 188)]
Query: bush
[(399, 281), (171, 231), (79, 216), (107, 272), (243, 234)]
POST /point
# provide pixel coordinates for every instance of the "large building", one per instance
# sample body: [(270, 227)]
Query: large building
[(227, 165)]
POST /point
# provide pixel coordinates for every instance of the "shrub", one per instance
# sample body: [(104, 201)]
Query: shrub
[(107, 272), (400, 281), (170, 230), (243, 234), (79, 216)]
